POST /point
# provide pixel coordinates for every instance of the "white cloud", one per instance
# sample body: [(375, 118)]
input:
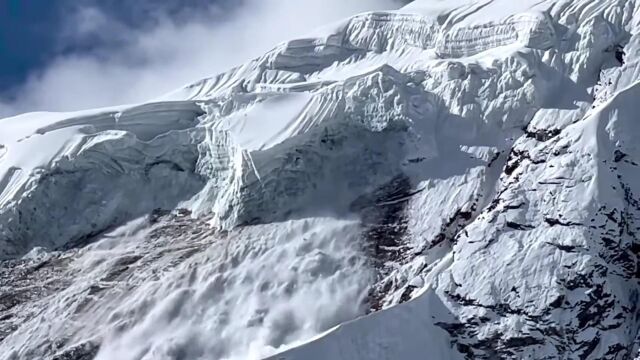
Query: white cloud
[(155, 60)]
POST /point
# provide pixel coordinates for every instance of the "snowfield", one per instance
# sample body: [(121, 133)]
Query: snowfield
[(449, 180)]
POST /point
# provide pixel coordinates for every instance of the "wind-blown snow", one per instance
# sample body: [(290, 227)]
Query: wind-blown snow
[(455, 179)]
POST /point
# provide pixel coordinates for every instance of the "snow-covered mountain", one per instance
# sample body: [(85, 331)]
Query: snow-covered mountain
[(456, 179)]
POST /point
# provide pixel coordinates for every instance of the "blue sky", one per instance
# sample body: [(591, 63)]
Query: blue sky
[(65, 55), (26, 37)]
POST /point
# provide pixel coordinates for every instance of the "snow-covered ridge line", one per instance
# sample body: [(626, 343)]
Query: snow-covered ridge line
[(381, 32), (530, 30), (377, 32), (145, 121)]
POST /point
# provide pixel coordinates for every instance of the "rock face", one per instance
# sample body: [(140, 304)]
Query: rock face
[(451, 180)]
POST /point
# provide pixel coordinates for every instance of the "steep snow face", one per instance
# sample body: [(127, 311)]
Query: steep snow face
[(454, 178)]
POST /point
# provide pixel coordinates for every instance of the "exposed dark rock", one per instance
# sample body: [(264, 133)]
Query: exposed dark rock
[(495, 158), (516, 157), (454, 225), (558, 222), (383, 215), (618, 156), (516, 342), (565, 248), (516, 226), (406, 294), (85, 351), (417, 160), (619, 54), (542, 134)]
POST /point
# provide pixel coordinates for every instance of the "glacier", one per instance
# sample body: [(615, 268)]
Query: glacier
[(448, 180)]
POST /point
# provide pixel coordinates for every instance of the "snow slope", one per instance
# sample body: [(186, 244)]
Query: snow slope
[(453, 179)]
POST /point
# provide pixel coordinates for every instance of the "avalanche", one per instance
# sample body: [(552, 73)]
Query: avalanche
[(450, 180)]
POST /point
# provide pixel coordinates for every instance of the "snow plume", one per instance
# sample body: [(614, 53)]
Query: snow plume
[(141, 63), (262, 290)]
